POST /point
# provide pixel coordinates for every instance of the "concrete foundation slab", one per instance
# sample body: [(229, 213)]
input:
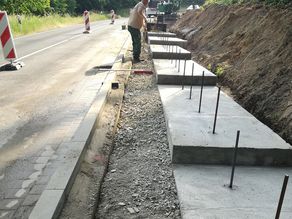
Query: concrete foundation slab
[(191, 135), (179, 72), (169, 52), (204, 193), (162, 34), (167, 41)]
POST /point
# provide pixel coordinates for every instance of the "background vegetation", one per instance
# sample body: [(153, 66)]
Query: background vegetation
[(75, 7), (62, 7), (31, 24), (38, 15)]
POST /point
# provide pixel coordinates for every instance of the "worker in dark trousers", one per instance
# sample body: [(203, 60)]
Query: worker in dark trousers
[(136, 21)]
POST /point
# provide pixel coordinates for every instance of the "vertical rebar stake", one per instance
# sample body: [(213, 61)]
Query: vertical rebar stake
[(179, 62), (201, 94), (285, 182), (184, 74), (234, 159), (171, 56), (176, 57), (191, 90), (217, 105)]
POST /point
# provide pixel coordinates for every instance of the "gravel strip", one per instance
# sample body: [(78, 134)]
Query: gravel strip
[(140, 182)]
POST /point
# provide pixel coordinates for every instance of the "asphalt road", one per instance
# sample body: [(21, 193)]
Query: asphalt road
[(42, 104)]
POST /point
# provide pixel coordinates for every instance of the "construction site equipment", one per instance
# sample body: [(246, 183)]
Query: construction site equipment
[(168, 7)]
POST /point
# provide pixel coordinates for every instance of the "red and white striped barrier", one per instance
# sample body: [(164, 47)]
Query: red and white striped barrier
[(86, 20), (6, 38)]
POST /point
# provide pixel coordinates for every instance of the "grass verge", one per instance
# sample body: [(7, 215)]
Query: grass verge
[(32, 24)]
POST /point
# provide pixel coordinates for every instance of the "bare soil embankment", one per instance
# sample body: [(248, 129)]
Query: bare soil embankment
[(250, 47)]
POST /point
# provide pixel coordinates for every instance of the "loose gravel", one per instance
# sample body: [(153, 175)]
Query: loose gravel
[(140, 182)]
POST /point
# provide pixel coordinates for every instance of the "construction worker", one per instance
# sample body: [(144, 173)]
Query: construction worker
[(136, 21)]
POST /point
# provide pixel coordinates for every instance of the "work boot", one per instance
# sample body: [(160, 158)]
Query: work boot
[(137, 60)]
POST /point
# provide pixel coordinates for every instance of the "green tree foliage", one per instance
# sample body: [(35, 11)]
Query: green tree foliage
[(59, 6), (39, 7), (72, 5)]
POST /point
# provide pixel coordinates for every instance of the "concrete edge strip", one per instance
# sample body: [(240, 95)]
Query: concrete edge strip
[(61, 181), (51, 201)]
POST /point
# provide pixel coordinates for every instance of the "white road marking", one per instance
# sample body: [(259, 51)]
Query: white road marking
[(11, 204), (20, 193), (56, 44), (3, 214), (41, 50), (2, 177), (26, 183), (39, 167), (35, 175)]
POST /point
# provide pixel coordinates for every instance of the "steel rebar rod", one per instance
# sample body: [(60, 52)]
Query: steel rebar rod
[(201, 94), (234, 159), (184, 74), (216, 111), (284, 186), (191, 89)]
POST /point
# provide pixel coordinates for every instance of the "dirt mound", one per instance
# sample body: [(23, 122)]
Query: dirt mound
[(250, 48)]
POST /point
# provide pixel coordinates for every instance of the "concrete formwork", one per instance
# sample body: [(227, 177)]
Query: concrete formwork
[(156, 26), (167, 41), (191, 135), (179, 72), (169, 52), (204, 193), (161, 34)]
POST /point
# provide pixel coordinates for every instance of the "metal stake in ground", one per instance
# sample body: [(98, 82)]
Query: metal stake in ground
[(201, 94), (184, 74), (192, 79), (234, 159), (217, 105), (176, 54), (285, 182), (171, 54), (179, 61)]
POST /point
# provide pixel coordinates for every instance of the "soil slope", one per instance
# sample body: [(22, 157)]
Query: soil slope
[(251, 48)]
